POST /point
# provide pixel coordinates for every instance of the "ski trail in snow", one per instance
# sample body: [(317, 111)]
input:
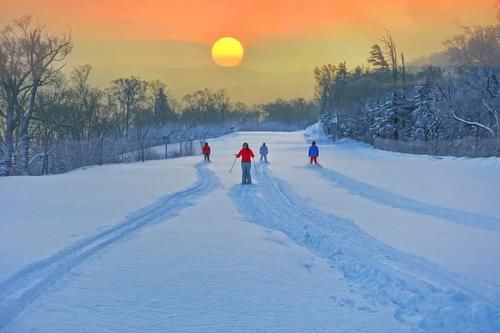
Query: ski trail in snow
[(427, 298), (25, 286), (389, 199)]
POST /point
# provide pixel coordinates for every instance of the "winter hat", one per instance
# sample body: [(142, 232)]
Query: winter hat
[(245, 145)]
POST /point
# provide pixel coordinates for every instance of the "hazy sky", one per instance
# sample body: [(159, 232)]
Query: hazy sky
[(284, 40)]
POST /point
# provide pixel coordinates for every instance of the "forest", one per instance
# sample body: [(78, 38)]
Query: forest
[(51, 122), (443, 110), (52, 119)]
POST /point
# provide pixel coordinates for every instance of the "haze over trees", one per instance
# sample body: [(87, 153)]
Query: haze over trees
[(454, 109), (53, 122)]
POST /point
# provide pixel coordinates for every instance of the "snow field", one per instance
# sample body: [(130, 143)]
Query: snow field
[(370, 242)]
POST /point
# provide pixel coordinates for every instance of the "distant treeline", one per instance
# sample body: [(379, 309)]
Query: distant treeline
[(44, 114), (453, 109), (40, 108)]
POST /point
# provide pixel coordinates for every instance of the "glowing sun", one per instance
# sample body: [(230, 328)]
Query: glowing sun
[(227, 52)]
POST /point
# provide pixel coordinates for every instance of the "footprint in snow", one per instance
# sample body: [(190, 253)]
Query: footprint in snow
[(343, 301), (366, 308), (308, 267)]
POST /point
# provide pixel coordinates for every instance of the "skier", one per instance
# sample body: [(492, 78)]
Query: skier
[(246, 155), (206, 152), (263, 152), (314, 153)]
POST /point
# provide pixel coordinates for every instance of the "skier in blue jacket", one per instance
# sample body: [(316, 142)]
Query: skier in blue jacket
[(314, 153), (263, 152)]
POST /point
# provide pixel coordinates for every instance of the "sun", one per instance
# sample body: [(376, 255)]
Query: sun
[(227, 52)]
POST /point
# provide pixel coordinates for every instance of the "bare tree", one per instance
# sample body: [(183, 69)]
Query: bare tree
[(200, 106), (491, 100), (204, 102), (221, 100), (325, 82), (43, 54), (390, 47), (51, 115), (14, 82), (403, 69), (82, 97), (476, 46), (130, 92)]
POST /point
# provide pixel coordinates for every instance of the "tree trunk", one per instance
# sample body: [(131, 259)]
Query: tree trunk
[(142, 150), (337, 128), (477, 142), (127, 120), (24, 130), (403, 67), (101, 148), (25, 153), (7, 165), (45, 164)]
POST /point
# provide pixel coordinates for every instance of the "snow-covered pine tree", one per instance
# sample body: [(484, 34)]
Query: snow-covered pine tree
[(392, 117), (328, 122), (426, 116)]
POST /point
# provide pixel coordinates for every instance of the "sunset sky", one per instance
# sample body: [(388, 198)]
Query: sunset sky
[(283, 40)]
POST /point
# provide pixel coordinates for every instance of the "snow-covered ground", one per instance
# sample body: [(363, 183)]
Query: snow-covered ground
[(371, 241)]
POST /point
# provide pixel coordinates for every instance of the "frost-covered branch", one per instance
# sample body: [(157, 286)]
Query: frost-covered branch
[(472, 123), (456, 117)]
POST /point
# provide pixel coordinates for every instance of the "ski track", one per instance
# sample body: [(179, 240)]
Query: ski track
[(17, 292), (426, 297), (389, 199)]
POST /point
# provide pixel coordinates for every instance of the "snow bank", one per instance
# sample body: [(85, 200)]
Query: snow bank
[(315, 133)]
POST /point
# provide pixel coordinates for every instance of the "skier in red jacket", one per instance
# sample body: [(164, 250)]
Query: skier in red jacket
[(246, 155), (206, 152)]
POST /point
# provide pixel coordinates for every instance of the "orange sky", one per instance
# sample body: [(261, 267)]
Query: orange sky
[(280, 36), (203, 21)]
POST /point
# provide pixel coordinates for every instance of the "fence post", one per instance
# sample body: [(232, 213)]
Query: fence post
[(166, 140), (101, 148)]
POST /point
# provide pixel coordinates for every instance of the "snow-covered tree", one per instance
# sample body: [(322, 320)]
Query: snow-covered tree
[(30, 57), (392, 117), (427, 116)]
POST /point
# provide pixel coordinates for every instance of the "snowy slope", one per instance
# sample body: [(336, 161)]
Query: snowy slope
[(370, 242), (41, 215)]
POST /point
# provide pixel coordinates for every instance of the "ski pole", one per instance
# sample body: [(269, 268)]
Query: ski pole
[(233, 164)]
